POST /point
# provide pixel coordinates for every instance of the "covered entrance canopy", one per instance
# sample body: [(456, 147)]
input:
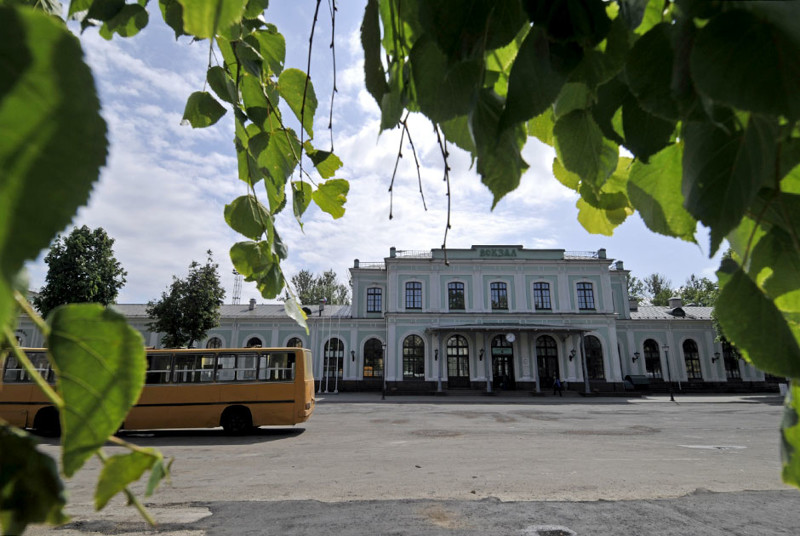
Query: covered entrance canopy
[(507, 328)]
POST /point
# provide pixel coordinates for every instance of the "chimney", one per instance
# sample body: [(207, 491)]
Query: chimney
[(620, 265), (392, 252), (633, 304), (322, 303), (675, 302), (252, 304)]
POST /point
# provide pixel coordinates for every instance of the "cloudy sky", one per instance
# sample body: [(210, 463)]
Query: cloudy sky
[(162, 193)]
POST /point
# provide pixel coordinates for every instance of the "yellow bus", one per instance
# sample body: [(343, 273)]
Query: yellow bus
[(236, 388)]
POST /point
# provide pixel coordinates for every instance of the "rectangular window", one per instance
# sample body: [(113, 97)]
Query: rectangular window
[(499, 294), (158, 368), (193, 368), (374, 300), (278, 367), (414, 295), (455, 296), (585, 296), (541, 296)]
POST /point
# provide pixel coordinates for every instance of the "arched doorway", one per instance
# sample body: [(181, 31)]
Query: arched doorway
[(594, 357), (333, 357), (373, 359), (502, 363), (652, 359), (457, 362), (547, 360)]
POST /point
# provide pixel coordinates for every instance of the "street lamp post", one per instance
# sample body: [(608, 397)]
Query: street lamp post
[(669, 374), (383, 358)]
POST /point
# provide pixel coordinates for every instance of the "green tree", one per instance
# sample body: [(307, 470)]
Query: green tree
[(312, 289), (635, 287), (700, 291), (658, 289), (190, 308), (81, 269)]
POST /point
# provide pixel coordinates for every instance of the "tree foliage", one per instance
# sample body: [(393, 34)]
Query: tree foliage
[(699, 291), (312, 289), (81, 269), (635, 287), (190, 308), (658, 289)]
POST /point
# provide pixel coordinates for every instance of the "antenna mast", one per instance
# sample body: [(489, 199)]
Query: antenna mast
[(237, 287)]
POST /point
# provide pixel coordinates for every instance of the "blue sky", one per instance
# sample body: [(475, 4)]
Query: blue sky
[(162, 193)]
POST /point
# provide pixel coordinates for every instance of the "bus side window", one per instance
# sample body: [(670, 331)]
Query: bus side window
[(246, 367), (207, 368), (158, 368), (42, 365), (280, 367), (192, 368), (14, 372), (226, 367)]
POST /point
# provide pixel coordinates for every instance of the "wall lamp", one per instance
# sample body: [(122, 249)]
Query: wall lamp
[(353, 355), (715, 358), (572, 354), (480, 354), (436, 355), (635, 357)]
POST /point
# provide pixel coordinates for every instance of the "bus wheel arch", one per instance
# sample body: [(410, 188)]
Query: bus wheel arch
[(236, 420), (47, 422)]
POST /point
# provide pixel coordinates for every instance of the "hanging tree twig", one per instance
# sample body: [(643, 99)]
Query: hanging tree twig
[(332, 8), (442, 141)]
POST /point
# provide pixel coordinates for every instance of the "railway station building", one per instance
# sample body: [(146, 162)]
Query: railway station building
[(492, 318)]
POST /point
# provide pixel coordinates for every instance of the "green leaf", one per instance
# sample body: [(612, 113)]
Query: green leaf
[(541, 127), (599, 221), (293, 311), (582, 148), (753, 323), (537, 76), (456, 131), (255, 8), (645, 133), (374, 75), (500, 163), (772, 266), (632, 12), (749, 63), (299, 96), (325, 161), (158, 473), (331, 195), (790, 436), (121, 470), (202, 18), (464, 31), (127, 23), (444, 89), (573, 96), (30, 488), (583, 21), (250, 258), (302, 193), (202, 110), (568, 179), (172, 13), (282, 154), (100, 366), (610, 98), (655, 191), (723, 171), (222, 84), (649, 72), (391, 109), (41, 138), (272, 46), (247, 216)]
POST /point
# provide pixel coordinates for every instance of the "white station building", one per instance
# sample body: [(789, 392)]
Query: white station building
[(490, 318)]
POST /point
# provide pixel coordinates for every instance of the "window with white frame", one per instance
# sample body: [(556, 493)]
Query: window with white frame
[(455, 296), (585, 297), (541, 297), (499, 295), (413, 295), (374, 298)]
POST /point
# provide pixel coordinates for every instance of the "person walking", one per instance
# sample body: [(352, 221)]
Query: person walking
[(557, 386)]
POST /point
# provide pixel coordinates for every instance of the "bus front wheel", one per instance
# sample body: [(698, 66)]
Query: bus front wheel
[(47, 423), (236, 420)]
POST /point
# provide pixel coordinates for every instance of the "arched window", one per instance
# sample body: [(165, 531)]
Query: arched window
[(594, 357), (254, 342), (373, 359), (214, 342), (295, 342), (692, 359), (652, 359), (334, 357), (413, 358)]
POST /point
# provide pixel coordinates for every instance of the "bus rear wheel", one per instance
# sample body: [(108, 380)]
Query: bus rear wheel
[(47, 423), (236, 420)]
